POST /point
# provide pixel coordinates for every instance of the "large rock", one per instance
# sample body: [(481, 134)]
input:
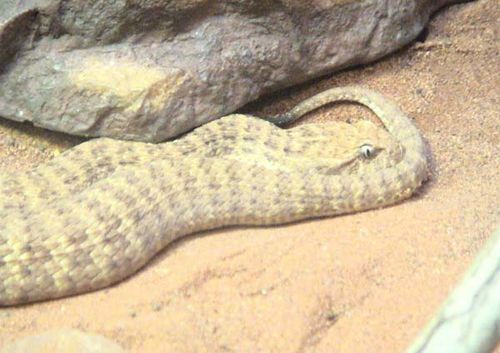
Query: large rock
[(63, 341), (153, 69)]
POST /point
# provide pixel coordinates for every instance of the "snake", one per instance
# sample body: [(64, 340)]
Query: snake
[(99, 212)]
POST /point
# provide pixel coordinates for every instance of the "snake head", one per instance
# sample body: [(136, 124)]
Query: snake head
[(376, 148), (357, 148)]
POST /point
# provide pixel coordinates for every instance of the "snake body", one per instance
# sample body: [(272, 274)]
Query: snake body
[(100, 211)]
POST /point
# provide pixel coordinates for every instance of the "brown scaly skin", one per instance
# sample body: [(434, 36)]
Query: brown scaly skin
[(101, 211)]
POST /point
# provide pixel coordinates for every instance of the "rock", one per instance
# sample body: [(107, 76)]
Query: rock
[(150, 70), (63, 341)]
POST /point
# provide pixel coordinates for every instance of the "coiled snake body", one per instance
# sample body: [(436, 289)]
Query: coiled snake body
[(100, 211)]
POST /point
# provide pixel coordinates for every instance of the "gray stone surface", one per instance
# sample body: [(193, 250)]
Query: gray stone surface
[(63, 341), (152, 69)]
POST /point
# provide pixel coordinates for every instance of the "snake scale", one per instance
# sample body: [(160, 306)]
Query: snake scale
[(100, 211)]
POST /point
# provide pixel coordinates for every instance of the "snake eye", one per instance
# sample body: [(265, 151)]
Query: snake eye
[(367, 151)]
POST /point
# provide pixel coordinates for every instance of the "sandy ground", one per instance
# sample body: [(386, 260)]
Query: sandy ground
[(360, 283)]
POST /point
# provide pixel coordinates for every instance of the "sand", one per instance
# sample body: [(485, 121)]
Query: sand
[(366, 282)]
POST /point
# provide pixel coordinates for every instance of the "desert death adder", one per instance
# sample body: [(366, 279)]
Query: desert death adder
[(100, 211)]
